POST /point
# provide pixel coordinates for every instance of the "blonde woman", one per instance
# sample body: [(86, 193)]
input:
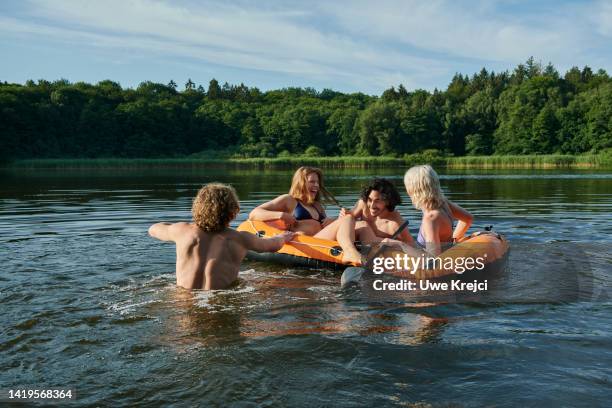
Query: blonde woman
[(437, 230), (301, 210)]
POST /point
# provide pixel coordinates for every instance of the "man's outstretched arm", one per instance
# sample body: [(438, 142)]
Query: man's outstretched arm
[(165, 231), (271, 244)]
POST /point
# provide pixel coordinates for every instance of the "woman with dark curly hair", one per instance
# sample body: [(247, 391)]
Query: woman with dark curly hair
[(208, 252)]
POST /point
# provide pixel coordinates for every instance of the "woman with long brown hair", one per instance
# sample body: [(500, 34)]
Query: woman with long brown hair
[(302, 209)]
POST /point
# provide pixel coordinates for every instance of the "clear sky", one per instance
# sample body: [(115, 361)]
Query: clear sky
[(349, 46)]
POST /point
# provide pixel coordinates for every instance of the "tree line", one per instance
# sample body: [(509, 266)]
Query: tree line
[(531, 110)]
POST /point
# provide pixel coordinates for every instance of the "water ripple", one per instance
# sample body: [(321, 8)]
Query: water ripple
[(89, 301)]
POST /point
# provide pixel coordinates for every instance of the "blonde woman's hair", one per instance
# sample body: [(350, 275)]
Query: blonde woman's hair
[(214, 207), (299, 186), (423, 187)]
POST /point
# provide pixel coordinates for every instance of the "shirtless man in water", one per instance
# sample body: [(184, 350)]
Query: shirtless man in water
[(373, 219), (208, 252)]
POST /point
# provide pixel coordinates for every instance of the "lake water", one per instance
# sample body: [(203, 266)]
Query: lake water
[(88, 300)]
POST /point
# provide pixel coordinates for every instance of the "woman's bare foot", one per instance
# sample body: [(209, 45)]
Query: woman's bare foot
[(353, 257)]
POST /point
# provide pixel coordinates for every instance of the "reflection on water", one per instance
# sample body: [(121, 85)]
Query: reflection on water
[(89, 300)]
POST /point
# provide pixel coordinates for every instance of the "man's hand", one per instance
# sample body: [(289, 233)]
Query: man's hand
[(343, 212), (279, 240), (286, 236), (268, 244)]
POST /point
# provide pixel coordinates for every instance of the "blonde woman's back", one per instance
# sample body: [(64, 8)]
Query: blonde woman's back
[(437, 226)]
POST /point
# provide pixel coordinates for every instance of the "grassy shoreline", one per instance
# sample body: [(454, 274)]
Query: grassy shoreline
[(592, 161)]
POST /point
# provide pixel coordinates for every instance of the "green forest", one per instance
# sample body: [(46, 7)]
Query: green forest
[(530, 110)]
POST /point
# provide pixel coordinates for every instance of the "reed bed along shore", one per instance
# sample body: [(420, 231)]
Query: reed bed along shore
[(603, 160), (550, 161)]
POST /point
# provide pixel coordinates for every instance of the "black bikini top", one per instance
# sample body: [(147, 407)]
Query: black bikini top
[(301, 213)]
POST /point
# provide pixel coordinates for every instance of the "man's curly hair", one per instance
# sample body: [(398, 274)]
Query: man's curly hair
[(386, 189), (215, 206)]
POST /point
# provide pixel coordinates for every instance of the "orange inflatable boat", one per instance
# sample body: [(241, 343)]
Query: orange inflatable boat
[(303, 250), (483, 247)]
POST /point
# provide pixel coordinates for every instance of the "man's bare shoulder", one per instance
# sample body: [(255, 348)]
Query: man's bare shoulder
[(395, 217), (186, 233), (183, 225), (236, 235), (232, 235), (181, 228)]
